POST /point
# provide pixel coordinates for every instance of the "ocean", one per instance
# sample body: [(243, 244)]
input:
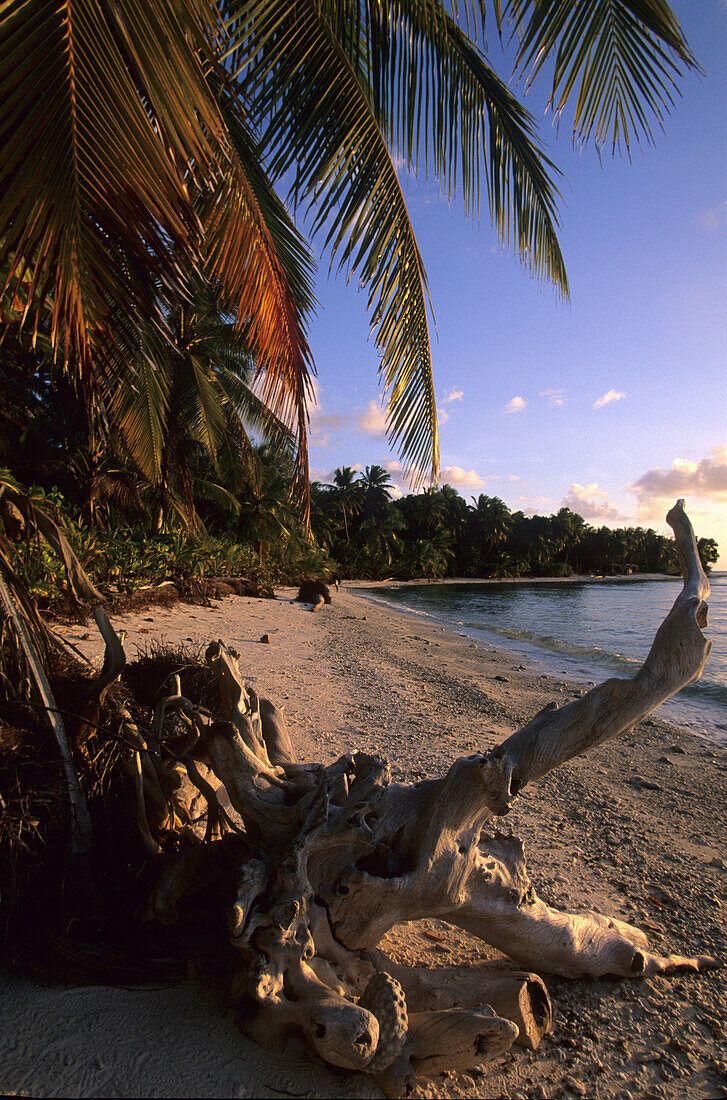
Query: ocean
[(585, 630)]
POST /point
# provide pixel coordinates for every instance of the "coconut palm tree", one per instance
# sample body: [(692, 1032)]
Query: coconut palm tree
[(192, 398), (266, 516), (128, 173), (375, 488), (347, 493), (127, 163)]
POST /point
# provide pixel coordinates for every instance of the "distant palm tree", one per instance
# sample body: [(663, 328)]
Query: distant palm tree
[(380, 542), (347, 492), (321, 514), (266, 517), (191, 395), (376, 488), (572, 527), (491, 520)]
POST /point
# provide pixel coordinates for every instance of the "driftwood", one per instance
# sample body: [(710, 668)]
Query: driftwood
[(328, 858)]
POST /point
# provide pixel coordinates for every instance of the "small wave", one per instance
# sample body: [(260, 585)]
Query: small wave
[(560, 647), (398, 606), (707, 690), (699, 705)]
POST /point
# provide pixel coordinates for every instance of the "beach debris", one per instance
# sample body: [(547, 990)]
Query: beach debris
[(313, 592), (266, 639), (314, 863)]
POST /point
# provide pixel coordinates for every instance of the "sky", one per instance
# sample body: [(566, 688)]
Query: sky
[(613, 404)]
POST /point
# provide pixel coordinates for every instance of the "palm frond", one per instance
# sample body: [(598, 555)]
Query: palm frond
[(216, 494), (619, 60), (102, 106), (110, 133), (140, 410), (207, 419), (522, 194), (325, 126), (251, 410), (269, 292)]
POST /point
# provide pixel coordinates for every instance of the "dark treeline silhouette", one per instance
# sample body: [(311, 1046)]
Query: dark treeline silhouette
[(436, 533)]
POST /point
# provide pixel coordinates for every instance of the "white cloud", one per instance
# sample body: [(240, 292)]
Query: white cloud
[(589, 501), (324, 425), (442, 416), (460, 478), (705, 479), (321, 421), (373, 419), (713, 219), (325, 476), (555, 397), (533, 506), (315, 390), (611, 395), (516, 405), (453, 395), (400, 476)]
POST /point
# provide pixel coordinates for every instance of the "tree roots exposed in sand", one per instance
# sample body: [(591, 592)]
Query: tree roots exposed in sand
[(312, 864)]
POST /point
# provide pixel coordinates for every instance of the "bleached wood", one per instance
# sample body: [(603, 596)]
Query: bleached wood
[(333, 857)]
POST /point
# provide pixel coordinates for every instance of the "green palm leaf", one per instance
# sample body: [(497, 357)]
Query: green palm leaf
[(236, 264), (440, 102), (251, 410), (101, 106), (299, 77), (140, 411), (339, 80), (618, 58)]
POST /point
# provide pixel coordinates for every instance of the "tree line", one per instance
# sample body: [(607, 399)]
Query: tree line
[(436, 533)]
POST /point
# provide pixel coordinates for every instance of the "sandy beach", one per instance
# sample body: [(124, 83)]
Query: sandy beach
[(635, 830)]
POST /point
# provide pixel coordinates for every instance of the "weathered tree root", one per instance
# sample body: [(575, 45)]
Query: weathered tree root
[(330, 858)]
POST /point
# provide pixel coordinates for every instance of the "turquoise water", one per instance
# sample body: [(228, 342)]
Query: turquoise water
[(585, 630)]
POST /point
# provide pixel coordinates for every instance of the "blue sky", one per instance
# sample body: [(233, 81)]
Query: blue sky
[(615, 403)]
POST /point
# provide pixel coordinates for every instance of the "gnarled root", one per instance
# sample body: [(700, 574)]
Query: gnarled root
[(514, 995), (456, 1038), (500, 906), (333, 857)]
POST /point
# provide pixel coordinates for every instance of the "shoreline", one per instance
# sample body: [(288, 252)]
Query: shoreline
[(573, 578), (700, 715), (635, 829)]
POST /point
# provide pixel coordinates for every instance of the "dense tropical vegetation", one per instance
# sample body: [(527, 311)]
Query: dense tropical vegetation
[(358, 531), (436, 533)]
